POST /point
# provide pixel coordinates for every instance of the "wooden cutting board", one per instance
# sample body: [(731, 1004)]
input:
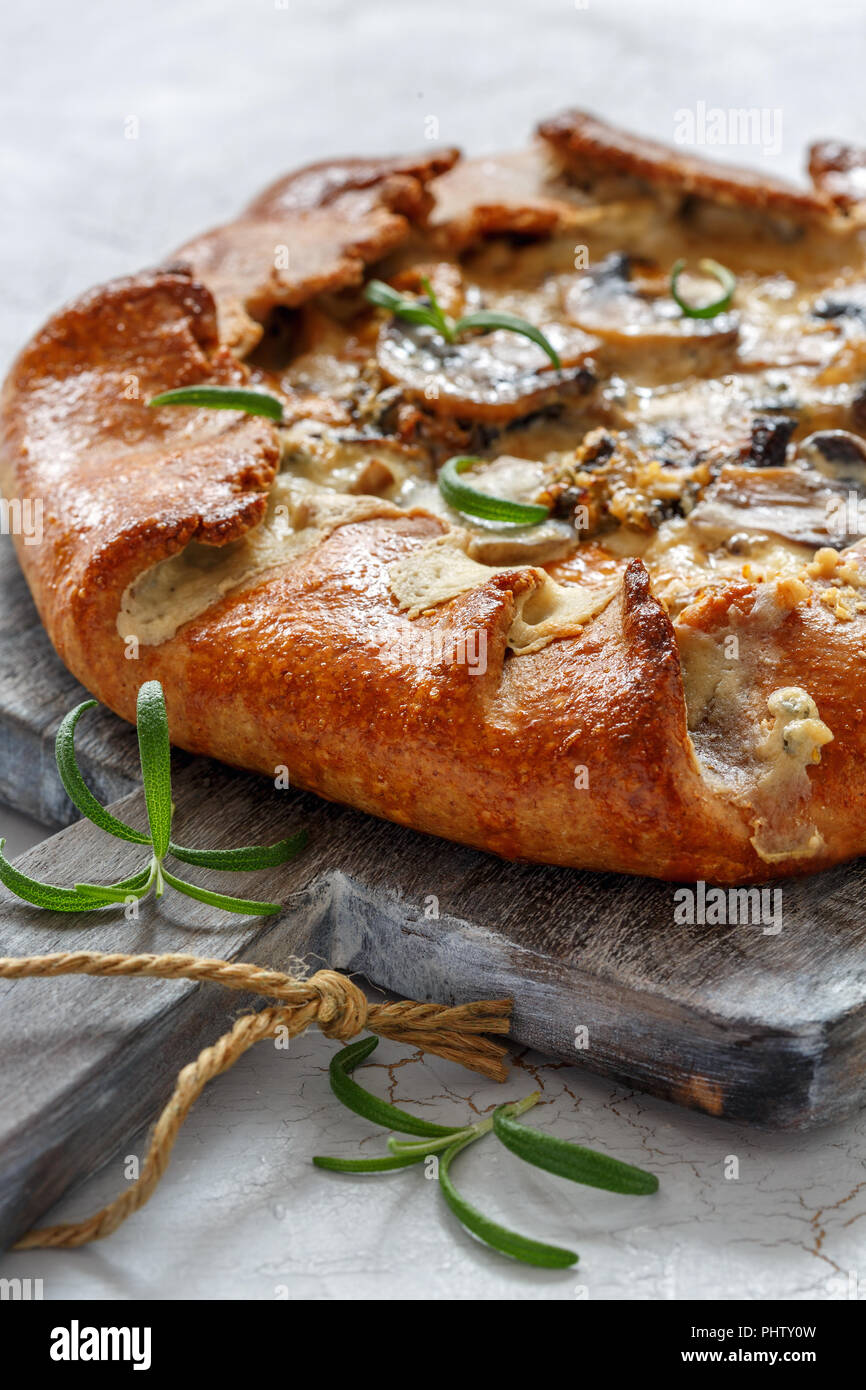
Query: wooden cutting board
[(757, 1026)]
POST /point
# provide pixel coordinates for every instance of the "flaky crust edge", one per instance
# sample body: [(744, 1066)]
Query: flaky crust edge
[(577, 754)]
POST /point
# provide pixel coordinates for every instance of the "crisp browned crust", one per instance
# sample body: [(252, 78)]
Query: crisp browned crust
[(591, 147), (342, 216), (839, 172), (521, 193), (125, 486), (578, 753)]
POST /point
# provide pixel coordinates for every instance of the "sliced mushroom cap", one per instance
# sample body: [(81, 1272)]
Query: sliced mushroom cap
[(494, 377), (847, 302), (518, 479), (797, 505), (623, 313), (837, 454)]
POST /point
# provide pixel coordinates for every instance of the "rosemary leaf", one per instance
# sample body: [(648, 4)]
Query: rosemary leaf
[(570, 1160), (155, 753), (223, 398), (138, 886), (532, 1252), (43, 894), (366, 1165), (77, 790), (471, 502), (354, 1097), (491, 319), (412, 310), (445, 325), (400, 1149), (248, 857), (250, 907), (726, 279)]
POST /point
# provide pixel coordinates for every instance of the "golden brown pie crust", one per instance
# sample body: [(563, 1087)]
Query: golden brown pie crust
[(578, 753)]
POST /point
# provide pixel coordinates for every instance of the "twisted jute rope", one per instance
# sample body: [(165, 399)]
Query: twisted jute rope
[(334, 1002)]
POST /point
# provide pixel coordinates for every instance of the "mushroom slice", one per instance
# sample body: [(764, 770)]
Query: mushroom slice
[(494, 377), (844, 302), (520, 480), (491, 543), (797, 505), (837, 454), (640, 317)]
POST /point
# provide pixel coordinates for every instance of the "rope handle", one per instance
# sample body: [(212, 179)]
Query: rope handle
[(327, 998)]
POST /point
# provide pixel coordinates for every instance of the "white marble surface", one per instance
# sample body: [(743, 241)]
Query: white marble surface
[(226, 95)]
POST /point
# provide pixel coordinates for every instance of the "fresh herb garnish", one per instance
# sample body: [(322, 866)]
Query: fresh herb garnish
[(223, 398), (471, 502), (432, 314), (570, 1161), (726, 279), (155, 755)]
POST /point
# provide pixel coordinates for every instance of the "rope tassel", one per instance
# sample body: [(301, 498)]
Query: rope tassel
[(327, 998)]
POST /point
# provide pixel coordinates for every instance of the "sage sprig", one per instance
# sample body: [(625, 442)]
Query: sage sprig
[(545, 1151), (433, 316), (155, 756)]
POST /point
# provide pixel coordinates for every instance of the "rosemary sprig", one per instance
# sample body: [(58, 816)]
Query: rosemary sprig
[(223, 398), (545, 1151), (155, 756), (433, 316), (726, 279), (471, 502)]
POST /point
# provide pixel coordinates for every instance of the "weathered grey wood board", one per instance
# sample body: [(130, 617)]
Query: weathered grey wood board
[(766, 1028)]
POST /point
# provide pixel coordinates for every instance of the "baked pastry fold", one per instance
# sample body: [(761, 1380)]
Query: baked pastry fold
[(662, 677)]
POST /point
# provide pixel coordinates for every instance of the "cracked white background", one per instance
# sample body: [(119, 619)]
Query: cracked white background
[(227, 95)]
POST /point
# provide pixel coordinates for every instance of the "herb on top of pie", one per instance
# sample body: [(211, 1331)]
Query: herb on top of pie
[(726, 279), (534, 1146), (223, 398), (472, 502), (155, 753), (431, 314)]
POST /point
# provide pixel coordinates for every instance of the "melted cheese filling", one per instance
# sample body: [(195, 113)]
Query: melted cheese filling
[(442, 571), (681, 392), (791, 745), (175, 591)]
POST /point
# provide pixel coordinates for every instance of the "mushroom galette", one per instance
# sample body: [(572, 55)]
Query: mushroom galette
[(514, 499)]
